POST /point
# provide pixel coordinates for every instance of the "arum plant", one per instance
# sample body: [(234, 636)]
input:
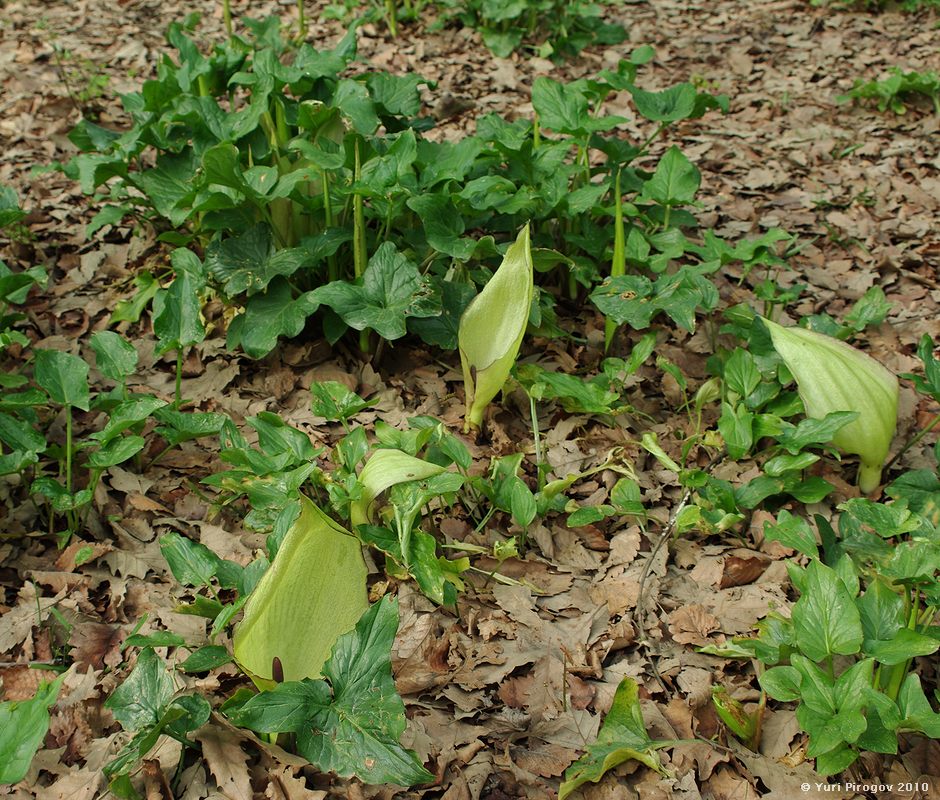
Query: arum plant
[(832, 376), (177, 320), (314, 591), (410, 484), (491, 329)]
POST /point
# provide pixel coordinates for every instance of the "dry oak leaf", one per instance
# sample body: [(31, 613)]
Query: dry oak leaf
[(692, 625), (96, 645), (283, 785), (227, 762)]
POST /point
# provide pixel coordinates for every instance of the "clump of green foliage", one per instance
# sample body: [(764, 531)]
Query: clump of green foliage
[(897, 90), (554, 29), (880, 5)]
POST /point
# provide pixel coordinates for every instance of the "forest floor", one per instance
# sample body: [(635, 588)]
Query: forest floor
[(503, 694)]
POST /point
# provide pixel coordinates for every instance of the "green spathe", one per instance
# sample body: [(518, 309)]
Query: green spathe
[(385, 469), (314, 592), (832, 376), (491, 329)]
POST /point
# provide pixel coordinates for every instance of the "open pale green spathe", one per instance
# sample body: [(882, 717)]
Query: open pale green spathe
[(385, 469), (832, 376), (492, 326), (314, 592)]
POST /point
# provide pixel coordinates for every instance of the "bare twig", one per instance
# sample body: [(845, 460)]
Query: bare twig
[(638, 616)]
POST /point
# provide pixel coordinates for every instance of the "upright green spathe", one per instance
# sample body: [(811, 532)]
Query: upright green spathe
[(491, 329), (832, 376), (314, 592)]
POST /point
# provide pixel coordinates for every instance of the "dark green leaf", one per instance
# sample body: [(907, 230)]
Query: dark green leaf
[(781, 683), (794, 532), (333, 401), (825, 617), (675, 181), (191, 563), (182, 426), (562, 108), (904, 645), (157, 639), (63, 376), (140, 700), (115, 357), (388, 293), (441, 330), (270, 315), (736, 425), (178, 323), (128, 414), (206, 658), (116, 451), (670, 105), (246, 264), (19, 436), (351, 725)]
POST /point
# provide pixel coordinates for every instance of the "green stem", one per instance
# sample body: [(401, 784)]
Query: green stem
[(537, 441), (359, 223), (179, 379), (618, 264), (391, 18), (70, 515), (332, 266), (301, 21), (68, 449), (93, 485), (536, 132), (227, 16)]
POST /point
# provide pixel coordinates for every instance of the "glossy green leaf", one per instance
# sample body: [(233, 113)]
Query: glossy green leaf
[(560, 108), (115, 357), (192, 563), (178, 323), (206, 658), (351, 722), (389, 292), (670, 105), (247, 263), (904, 645), (794, 532), (825, 618), (333, 401), (139, 701), (128, 414), (441, 331), (270, 315), (10, 211), (116, 451), (17, 435), (64, 377), (675, 181)]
